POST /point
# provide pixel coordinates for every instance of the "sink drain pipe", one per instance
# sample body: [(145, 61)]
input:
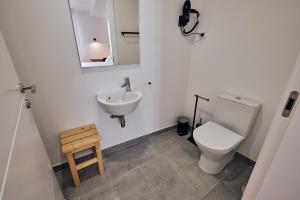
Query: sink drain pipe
[(121, 119)]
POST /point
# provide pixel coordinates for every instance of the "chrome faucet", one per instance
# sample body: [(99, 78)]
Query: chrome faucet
[(127, 84)]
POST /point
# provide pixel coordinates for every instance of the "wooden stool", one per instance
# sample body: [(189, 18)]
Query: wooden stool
[(80, 139)]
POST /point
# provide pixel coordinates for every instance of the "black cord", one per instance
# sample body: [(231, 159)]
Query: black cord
[(188, 33), (192, 29)]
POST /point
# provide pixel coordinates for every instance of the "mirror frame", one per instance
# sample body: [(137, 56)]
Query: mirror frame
[(112, 42)]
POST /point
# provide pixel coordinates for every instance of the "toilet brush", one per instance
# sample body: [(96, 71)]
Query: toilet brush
[(191, 138)]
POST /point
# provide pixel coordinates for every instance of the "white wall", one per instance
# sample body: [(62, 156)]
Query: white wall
[(175, 60), (42, 45), (249, 50)]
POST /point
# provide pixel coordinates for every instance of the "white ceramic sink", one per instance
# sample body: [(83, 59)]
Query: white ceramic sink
[(121, 102)]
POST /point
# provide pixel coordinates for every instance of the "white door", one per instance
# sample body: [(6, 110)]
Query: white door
[(25, 170), (276, 173), (282, 180)]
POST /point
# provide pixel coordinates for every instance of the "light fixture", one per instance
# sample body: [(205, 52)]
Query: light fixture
[(97, 51)]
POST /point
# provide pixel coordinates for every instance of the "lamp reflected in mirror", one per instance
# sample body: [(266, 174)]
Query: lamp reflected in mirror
[(98, 52)]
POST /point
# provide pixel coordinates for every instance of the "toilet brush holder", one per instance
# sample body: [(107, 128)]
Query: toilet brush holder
[(191, 138)]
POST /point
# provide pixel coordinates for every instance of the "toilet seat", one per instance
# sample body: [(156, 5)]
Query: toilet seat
[(215, 138)]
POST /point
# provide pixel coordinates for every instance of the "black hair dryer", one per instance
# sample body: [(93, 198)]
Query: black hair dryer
[(185, 18)]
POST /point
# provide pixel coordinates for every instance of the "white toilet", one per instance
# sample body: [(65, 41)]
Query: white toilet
[(218, 139)]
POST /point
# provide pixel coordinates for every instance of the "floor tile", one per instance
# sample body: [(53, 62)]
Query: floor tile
[(237, 178), (64, 178), (131, 186), (163, 142), (157, 171), (86, 186), (121, 162), (199, 180), (179, 156), (220, 192), (173, 189)]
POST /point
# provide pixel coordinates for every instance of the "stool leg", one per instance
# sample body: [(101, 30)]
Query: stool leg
[(100, 160), (74, 172)]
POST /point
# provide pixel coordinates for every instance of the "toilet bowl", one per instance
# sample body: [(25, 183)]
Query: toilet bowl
[(218, 139), (217, 145)]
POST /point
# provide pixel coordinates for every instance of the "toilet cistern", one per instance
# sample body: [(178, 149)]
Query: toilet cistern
[(127, 84)]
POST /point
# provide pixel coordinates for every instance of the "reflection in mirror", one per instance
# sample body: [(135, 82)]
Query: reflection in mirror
[(106, 31)]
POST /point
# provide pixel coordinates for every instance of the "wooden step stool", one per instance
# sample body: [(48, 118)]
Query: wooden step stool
[(80, 139)]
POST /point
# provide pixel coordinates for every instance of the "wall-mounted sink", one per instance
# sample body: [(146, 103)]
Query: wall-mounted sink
[(121, 102)]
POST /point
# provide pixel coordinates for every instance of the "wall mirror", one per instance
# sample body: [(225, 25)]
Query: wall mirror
[(106, 31)]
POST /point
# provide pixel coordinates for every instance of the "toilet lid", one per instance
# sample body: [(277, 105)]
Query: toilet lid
[(215, 138)]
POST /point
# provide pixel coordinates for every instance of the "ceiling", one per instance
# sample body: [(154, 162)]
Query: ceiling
[(97, 8)]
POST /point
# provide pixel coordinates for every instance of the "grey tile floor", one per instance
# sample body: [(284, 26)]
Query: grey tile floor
[(163, 166)]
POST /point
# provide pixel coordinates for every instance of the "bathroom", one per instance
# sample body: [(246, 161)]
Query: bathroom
[(249, 49)]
